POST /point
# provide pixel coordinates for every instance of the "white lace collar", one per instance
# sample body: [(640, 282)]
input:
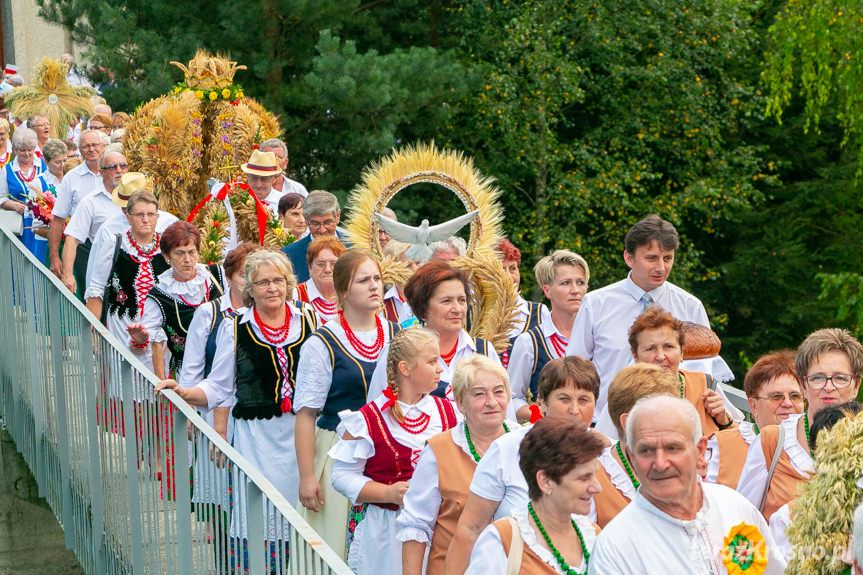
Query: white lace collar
[(619, 478), (195, 290), (529, 536), (801, 460), (747, 432)]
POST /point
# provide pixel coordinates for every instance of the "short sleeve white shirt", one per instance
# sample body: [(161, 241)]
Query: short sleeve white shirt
[(79, 183), (93, 211)]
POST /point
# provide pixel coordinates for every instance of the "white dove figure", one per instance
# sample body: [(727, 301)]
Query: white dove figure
[(421, 237)]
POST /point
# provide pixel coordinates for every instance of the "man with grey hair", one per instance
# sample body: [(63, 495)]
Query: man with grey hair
[(449, 249), (322, 213), (81, 181), (676, 523), (283, 184), (92, 212)]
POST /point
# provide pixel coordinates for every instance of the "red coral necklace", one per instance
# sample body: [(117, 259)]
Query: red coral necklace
[(369, 352)]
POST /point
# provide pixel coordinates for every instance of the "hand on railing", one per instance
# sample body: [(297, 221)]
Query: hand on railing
[(140, 339), (216, 456), (69, 281), (311, 494), (57, 267)]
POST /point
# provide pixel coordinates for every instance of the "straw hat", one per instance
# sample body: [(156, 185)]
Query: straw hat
[(130, 182), (262, 164)]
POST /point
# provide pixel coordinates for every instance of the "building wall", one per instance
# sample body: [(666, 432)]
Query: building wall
[(27, 38)]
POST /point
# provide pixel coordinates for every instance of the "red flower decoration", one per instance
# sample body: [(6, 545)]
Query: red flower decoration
[(535, 414)]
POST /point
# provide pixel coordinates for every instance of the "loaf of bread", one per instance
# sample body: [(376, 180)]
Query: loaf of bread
[(699, 341)]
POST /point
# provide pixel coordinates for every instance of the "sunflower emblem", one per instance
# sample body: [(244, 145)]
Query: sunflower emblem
[(744, 551)]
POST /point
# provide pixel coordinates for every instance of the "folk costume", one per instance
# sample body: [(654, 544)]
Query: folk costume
[(492, 548), (728, 449), (171, 304), (308, 292), (465, 346), (529, 314), (334, 374), (437, 493), (396, 309), (385, 451), (794, 468), (531, 351), (254, 371), (643, 540), (14, 185), (618, 483)]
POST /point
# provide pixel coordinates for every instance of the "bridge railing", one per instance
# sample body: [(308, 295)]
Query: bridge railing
[(138, 481)]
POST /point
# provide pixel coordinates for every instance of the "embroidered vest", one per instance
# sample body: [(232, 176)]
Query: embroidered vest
[(303, 293), (390, 311), (533, 317), (391, 462), (177, 315), (541, 356), (481, 348), (350, 382), (455, 472), (259, 380), (120, 293)]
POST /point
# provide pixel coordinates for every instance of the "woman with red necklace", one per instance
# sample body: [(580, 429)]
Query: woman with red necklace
[(437, 294), (380, 445), (335, 369), (171, 304), (319, 291), (254, 372)]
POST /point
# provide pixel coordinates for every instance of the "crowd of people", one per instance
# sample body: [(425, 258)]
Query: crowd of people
[(592, 444)]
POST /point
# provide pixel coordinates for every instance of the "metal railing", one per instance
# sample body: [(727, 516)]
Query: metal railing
[(114, 460)]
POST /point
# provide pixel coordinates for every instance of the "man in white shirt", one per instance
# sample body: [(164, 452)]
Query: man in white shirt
[(92, 212), (282, 183), (81, 181), (676, 523), (261, 171), (601, 328)]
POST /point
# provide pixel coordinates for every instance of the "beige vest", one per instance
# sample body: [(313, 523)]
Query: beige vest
[(786, 482), (695, 384), (610, 502), (732, 455)]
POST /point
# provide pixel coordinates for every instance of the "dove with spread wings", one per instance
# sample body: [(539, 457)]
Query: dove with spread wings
[(421, 237)]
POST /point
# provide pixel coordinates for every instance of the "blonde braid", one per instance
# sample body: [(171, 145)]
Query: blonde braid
[(405, 346)]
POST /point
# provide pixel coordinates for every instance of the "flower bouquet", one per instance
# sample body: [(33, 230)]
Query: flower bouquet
[(41, 205)]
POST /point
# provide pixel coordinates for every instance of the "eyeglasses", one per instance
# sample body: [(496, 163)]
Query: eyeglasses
[(777, 397), (324, 224), (91, 147), (145, 215), (112, 167), (324, 265), (840, 380), (278, 282), (41, 125)]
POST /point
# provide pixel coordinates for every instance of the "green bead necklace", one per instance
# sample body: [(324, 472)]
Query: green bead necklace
[(626, 466), (680, 377), (755, 428), (476, 456), (564, 566), (806, 427)]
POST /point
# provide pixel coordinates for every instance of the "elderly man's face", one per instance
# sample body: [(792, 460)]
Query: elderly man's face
[(112, 169), (664, 458), (261, 185)]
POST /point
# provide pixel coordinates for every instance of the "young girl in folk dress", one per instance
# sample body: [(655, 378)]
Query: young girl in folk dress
[(380, 445)]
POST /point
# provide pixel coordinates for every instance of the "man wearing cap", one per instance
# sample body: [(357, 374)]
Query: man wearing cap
[(81, 181), (283, 183), (92, 212), (126, 266), (261, 172)]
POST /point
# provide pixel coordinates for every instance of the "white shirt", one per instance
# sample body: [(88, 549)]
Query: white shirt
[(93, 211), (642, 539), (601, 329), (219, 386), (523, 314), (421, 504), (272, 201), (79, 183), (753, 478), (195, 352), (498, 476), (315, 371), (522, 360), (779, 522), (289, 186), (350, 456), (746, 430), (488, 555), (106, 237)]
